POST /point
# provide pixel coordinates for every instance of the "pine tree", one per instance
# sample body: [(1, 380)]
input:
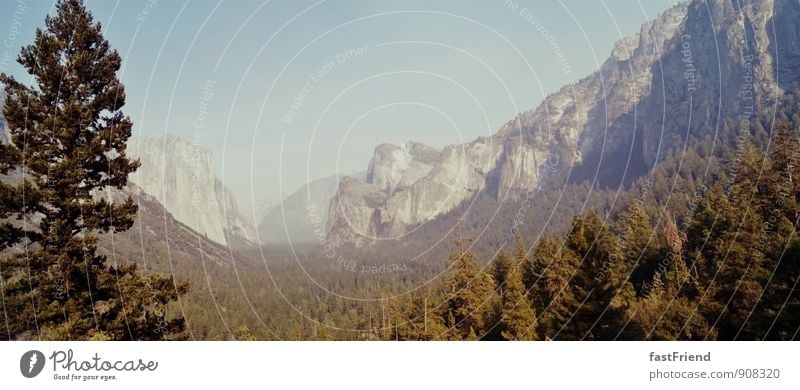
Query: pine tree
[(588, 286), (739, 259), (778, 311), (554, 293), (517, 317), (470, 293), (500, 267), (424, 319), (70, 134), (637, 244), (10, 204), (663, 315), (783, 179), (535, 271)]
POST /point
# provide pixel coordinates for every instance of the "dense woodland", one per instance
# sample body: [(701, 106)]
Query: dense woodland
[(703, 245), (66, 157)]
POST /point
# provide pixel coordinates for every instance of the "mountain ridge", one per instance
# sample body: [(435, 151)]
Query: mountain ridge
[(181, 176), (693, 62)]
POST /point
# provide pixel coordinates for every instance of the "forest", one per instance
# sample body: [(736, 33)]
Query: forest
[(702, 246)]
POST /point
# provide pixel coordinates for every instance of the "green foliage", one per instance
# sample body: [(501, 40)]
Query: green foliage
[(703, 245), (71, 135), (517, 316), (470, 294)]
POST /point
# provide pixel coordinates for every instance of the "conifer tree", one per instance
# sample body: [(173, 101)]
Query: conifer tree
[(69, 139), (637, 244), (778, 311), (555, 295), (10, 233), (740, 265), (590, 288), (500, 267), (424, 319), (535, 271), (663, 315), (517, 317), (469, 294)]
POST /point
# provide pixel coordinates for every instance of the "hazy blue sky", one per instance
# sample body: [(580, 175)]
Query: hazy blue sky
[(303, 90)]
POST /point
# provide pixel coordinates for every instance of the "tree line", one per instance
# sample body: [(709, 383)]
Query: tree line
[(703, 248), (730, 273)]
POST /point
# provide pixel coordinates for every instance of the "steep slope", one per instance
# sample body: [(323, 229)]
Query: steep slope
[(159, 243), (301, 216), (156, 231), (673, 82), (407, 185), (238, 229), (181, 176)]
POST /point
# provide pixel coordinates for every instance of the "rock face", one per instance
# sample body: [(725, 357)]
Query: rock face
[(239, 231), (301, 217), (157, 238), (180, 175), (407, 185), (686, 72)]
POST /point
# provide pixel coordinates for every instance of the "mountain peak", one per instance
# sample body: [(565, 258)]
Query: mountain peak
[(674, 79), (180, 174)]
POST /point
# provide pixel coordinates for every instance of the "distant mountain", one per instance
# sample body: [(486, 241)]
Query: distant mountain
[(157, 236), (301, 217), (672, 82), (160, 243), (181, 176), (406, 185)]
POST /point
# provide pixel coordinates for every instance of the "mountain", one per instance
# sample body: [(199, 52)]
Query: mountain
[(301, 216), (158, 243), (406, 185), (157, 236), (671, 83), (238, 230), (221, 223), (180, 175)]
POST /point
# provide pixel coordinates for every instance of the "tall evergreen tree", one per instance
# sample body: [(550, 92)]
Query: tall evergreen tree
[(638, 244), (423, 319), (738, 263), (555, 295), (517, 316), (776, 313), (665, 315), (500, 268), (69, 139), (470, 293), (589, 288)]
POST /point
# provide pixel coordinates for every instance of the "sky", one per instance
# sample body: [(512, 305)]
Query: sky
[(285, 92)]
